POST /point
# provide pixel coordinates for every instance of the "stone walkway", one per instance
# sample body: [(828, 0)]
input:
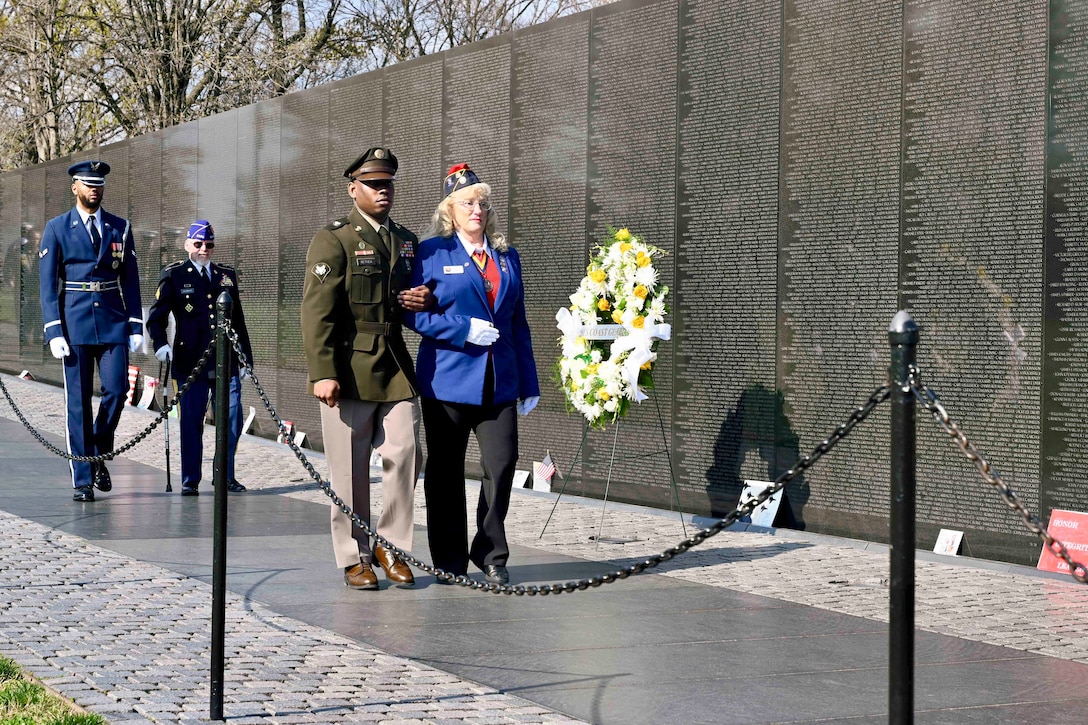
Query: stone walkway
[(155, 629)]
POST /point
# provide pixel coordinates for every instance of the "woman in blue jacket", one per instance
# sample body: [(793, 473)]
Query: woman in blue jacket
[(475, 370)]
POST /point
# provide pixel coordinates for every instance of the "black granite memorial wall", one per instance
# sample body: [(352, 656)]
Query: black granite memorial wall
[(810, 167)]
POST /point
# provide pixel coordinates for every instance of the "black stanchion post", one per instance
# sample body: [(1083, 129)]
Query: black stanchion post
[(166, 424), (903, 338), (223, 352)]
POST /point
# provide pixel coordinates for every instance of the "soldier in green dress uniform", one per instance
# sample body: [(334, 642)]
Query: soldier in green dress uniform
[(358, 270)]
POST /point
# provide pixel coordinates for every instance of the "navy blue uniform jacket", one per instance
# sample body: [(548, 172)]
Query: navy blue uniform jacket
[(183, 291), (67, 256)]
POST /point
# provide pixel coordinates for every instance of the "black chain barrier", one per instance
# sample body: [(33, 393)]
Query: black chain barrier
[(928, 399), (859, 414), (131, 443)]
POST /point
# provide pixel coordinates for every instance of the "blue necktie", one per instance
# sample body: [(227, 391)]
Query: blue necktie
[(96, 238)]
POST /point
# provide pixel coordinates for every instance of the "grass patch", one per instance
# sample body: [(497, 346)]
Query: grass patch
[(25, 702)]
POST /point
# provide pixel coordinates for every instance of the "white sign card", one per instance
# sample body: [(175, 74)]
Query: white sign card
[(521, 479), (948, 542), (762, 515), (249, 420)]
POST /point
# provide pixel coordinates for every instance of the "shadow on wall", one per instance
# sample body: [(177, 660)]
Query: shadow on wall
[(756, 442)]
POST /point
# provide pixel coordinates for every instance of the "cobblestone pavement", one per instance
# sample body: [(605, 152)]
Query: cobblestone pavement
[(1002, 605)]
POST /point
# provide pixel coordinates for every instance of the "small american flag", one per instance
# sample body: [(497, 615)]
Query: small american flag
[(546, 469)]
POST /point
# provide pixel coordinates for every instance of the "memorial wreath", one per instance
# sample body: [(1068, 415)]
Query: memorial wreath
[(611, 330)]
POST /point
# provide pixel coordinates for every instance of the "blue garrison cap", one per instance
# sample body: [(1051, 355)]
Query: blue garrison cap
[(458, 177), (201, 230), (91, 173)]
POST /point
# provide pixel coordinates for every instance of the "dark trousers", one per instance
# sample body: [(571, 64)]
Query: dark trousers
[(85, 438), (191, 409), (448, 426)]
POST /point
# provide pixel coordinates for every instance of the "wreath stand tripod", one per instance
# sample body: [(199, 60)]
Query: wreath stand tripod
[(611, 463)]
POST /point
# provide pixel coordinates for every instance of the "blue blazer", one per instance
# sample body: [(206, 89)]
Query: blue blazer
[(67, 255), (447, 367)]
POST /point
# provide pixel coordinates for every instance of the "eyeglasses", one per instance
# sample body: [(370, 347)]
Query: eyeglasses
[(467, 205), (376, 183), (198, 244)]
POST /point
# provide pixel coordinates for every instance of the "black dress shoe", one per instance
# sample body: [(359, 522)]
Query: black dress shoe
[(496, 574), (235, 487), (190, 490), (101, 477), (83, 493)]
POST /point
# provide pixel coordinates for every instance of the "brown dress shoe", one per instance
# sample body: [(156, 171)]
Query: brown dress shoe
[(395, 569), (360, 576)]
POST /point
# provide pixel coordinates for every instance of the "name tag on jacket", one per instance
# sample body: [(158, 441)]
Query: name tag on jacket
[(453, 269)]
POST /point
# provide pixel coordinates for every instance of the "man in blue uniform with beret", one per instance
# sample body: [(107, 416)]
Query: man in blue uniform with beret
[(90, 293), (189, 289)]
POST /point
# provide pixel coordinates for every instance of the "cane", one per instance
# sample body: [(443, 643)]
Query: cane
[(166, 428)]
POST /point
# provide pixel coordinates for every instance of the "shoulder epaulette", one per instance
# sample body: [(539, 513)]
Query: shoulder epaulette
[(172, 265), (228, 267), (400, 229), (334, 225)]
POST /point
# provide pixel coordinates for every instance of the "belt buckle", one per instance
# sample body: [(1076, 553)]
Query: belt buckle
[(94, 286)]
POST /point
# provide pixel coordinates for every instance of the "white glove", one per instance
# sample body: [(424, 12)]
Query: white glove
[(243, 374), (481, 332), (59, 347), (164, 353), (526, 405), (134, 342)]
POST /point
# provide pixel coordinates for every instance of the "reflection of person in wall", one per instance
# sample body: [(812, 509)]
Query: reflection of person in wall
[(357, 273), (755, 428), (189, 289), (90, 293), (476, 373)]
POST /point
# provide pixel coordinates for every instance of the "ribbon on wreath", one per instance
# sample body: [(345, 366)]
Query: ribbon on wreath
[(639, 342)]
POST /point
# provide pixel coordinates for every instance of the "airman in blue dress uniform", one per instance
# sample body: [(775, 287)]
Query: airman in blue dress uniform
[(90, 293), (189, 289)]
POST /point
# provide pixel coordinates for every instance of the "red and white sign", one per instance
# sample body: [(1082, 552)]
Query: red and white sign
[(1070, 528)]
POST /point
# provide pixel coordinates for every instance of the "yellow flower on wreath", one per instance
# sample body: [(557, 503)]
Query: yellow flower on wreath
[(617, 317), (625, 247), (623, 235), (642, 259), (598, 275), (640, 291), (603, 305), (603, 394), (639, 322)]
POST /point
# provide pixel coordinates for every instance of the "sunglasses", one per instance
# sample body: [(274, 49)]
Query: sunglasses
[(376, 183), (198, 244)]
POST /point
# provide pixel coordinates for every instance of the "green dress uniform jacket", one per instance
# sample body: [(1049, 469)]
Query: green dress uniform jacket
[(351, 320)]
